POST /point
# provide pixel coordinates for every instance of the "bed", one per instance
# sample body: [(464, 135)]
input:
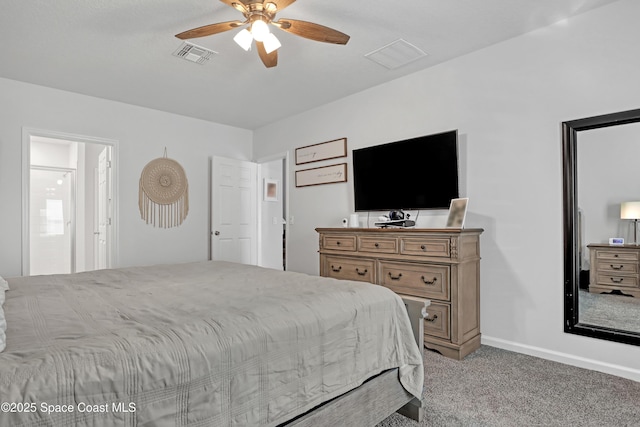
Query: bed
[(205, 344)]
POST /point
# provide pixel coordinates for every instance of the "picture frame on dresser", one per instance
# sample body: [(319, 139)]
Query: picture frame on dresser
[(457, 212)]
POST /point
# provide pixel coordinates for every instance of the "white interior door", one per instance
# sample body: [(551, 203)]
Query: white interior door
[(234, 210)]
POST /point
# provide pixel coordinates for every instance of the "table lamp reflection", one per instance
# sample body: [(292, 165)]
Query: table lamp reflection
[(631, 210)]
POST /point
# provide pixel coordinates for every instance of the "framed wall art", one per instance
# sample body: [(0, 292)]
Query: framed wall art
[(322, 175), (271, 190), (322, 151)]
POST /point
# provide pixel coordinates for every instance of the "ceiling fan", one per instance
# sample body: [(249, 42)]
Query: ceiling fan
[(258, 14)]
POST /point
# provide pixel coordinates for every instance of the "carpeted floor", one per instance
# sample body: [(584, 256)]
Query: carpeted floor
[(613, 311), (494, 387)]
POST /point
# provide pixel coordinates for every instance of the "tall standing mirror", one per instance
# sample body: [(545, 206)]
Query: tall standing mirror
[(601, 189)]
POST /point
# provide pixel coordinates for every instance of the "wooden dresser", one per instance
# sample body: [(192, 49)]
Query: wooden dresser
[(614, 268), (441, 265)]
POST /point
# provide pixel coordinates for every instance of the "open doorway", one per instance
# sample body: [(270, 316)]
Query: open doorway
[(69, 203)]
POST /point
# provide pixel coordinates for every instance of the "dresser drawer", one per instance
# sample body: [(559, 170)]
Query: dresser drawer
[(615, 281), (438, 321), (420, 280), (617, 266), (425, 246), (339, 243), (350, 268), (383, 245), (617, 255)]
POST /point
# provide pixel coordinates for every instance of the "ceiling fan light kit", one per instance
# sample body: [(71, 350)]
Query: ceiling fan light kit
[(260, 33), (244, 39), (271, 43), (259, 30), (258, 15)]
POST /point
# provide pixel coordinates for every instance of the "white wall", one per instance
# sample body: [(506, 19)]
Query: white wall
[(508, 102), (142, 135)]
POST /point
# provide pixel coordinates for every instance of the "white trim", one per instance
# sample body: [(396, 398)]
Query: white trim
[(27, 133), (568, 359)]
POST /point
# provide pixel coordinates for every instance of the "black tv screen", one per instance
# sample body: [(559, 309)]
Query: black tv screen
[(417, 173)]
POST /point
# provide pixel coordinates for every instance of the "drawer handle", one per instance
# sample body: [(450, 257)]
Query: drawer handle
[(338, 243), (617, 267), (423, 247), (336, 270), (435, 316), (616, 256), (427, 282), (361, 273), (392, 277), (617, 279), (377, 244)]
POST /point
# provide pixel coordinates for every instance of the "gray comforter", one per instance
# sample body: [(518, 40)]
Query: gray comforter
[(199, 344)]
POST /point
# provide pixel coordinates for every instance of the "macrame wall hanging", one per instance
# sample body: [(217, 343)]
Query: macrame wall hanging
[(164, 193)]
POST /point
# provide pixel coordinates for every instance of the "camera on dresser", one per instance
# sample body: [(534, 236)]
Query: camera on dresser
[(440, 265)]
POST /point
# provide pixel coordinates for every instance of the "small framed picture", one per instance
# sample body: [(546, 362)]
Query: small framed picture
[(457, 213), (271, 190)]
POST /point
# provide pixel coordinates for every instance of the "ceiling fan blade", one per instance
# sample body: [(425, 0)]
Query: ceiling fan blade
[(268, 59), (312, 31), (208, 30), (280, 4)]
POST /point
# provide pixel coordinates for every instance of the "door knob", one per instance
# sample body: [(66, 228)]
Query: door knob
[(217, 233)]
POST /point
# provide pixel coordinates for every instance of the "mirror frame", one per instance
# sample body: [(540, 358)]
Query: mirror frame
[(570, 131)]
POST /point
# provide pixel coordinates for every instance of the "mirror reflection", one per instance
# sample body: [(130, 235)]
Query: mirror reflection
[(608, 202)]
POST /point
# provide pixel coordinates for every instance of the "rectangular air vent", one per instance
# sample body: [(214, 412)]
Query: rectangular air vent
[(396, 54), (194, 53)]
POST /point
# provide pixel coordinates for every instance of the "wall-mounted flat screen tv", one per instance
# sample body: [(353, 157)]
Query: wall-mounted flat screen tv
[(416, 173)]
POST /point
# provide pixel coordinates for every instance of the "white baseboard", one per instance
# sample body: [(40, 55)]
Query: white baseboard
[(568, 359)]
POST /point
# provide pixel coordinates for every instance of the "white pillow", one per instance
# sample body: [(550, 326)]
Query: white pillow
[(3, 323)]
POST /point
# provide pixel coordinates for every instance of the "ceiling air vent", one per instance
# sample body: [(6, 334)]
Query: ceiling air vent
[(396, 54), (193, 53)]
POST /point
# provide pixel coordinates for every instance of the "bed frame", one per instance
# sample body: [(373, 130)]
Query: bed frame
[(379, 396)]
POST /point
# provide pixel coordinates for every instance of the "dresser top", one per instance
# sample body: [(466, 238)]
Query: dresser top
[(608, 246), (401, 230)]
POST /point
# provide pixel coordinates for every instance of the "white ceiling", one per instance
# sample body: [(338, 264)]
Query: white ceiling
[(122, 50)]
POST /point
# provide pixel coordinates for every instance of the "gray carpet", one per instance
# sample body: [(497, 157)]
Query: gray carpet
[(613, 311), (494, 387)]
